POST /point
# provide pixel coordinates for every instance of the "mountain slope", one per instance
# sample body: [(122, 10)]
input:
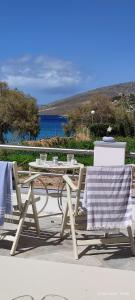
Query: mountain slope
[(64, 106)]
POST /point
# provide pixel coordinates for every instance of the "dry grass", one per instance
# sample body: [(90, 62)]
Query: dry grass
[(48, 142), (83, 134)]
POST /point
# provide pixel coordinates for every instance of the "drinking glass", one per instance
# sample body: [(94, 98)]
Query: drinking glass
[(38, 161), (73, 161), (54, 297), (70, 157), (24, 297), (43, 158), (55, 160)]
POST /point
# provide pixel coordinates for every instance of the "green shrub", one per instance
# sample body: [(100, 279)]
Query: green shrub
[(120, 129), (99, 129)]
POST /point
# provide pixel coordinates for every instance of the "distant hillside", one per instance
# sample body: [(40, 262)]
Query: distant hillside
[(64, 106)]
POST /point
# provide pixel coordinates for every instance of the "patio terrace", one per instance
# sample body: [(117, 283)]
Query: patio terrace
[(48, 246)]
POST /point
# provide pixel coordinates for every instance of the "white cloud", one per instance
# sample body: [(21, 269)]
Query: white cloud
[(41, 73)]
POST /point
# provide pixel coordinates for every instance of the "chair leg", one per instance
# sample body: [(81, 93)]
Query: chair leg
[(72, 222), (22, 218), (131, 239), (19, 228), (77, 202), (35, 215), (64, 221)]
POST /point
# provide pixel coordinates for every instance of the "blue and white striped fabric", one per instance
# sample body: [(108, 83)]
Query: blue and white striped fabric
[(107, 197), (5, 189)]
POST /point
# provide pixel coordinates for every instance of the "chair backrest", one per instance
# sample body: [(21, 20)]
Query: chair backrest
[(107, 197), (103, 151), (133, 186), (81, 186), (17, 200), (81, 179), (17, 186)]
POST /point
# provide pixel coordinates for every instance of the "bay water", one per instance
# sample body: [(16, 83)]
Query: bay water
[(50, 126)]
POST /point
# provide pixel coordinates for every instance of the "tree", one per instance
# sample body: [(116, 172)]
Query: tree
[(18, 113), (124, 118), (104, 112)]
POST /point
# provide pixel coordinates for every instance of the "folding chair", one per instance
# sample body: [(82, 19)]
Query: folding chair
[(76, 221), (20, 208)]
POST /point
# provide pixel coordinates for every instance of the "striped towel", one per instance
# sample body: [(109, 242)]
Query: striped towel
[(5, 189), (107, 197)]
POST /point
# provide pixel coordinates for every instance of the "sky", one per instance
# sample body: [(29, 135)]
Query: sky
[(52, 49)]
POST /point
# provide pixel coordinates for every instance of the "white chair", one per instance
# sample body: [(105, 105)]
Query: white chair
[(76, 219), (20, 208)]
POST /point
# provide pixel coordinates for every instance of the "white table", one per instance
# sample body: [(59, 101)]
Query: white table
[(61, 165), (61, 168)]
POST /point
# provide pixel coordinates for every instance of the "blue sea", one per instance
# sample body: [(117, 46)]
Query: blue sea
[(50, 126)]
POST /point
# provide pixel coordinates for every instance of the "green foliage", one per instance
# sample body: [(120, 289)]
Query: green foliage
[(18, 113), (130, 143), (22, 158), (99, 129), (120, 129)]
